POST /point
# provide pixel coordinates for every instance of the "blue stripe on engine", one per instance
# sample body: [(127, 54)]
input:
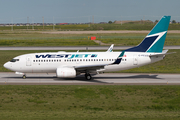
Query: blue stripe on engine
[(143, 47)]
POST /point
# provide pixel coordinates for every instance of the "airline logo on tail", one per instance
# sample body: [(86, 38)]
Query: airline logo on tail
[(157, 43)]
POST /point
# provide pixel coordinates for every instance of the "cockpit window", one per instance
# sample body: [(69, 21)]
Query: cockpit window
[(14, 60)]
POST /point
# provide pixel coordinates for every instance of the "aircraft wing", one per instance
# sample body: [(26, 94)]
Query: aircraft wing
[(99, 66), (90, 67)]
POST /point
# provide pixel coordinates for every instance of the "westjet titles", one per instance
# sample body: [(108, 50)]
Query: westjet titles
[(69, 56)]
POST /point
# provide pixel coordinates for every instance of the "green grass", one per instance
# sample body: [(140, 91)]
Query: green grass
[(171, 63), (38, 39), (40, 28), (129, 26), (90, 102), (135, 39), (126, 26)]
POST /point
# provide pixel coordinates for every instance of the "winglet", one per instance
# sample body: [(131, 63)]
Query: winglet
[(110, 48), (118, 60), (122, 54)]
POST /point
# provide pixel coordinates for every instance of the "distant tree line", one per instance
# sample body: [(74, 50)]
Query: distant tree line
[(173, 21)]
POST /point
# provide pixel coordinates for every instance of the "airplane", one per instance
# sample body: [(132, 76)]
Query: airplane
[(71, 64)]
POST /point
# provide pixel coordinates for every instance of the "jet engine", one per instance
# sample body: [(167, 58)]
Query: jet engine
[(64, 72)]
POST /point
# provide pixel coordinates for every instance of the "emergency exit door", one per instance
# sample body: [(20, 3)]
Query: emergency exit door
[(135, 60)]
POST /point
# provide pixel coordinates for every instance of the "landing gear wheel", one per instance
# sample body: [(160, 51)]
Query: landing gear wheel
[(88, 76), (24, 76)]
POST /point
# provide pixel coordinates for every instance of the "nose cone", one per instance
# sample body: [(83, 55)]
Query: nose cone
[(7, 65)]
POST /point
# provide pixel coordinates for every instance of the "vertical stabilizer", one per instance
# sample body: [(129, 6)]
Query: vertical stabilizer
[(154, 41)]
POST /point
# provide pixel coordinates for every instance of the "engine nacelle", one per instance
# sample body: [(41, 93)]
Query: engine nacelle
[(66, 72)]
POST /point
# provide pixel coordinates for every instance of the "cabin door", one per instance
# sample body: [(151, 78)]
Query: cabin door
[(28, 61)]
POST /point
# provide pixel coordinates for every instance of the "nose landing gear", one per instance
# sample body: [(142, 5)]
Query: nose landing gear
[(19, 73)]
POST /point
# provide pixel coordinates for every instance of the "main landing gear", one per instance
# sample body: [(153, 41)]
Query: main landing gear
[(88, 76), (24, 76)]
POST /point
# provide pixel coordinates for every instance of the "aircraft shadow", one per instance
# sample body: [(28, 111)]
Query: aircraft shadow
[(95, 79), (132, 77), (80, 78)]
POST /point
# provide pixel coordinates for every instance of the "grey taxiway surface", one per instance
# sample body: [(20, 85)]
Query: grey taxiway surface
[(101, 79)]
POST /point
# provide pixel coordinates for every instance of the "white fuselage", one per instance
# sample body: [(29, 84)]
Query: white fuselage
[(49, 62)]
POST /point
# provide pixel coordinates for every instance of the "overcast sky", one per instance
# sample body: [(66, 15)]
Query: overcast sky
[(73, 11)]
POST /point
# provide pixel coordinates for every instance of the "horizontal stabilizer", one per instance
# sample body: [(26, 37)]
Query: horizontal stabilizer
[(164, 52)]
